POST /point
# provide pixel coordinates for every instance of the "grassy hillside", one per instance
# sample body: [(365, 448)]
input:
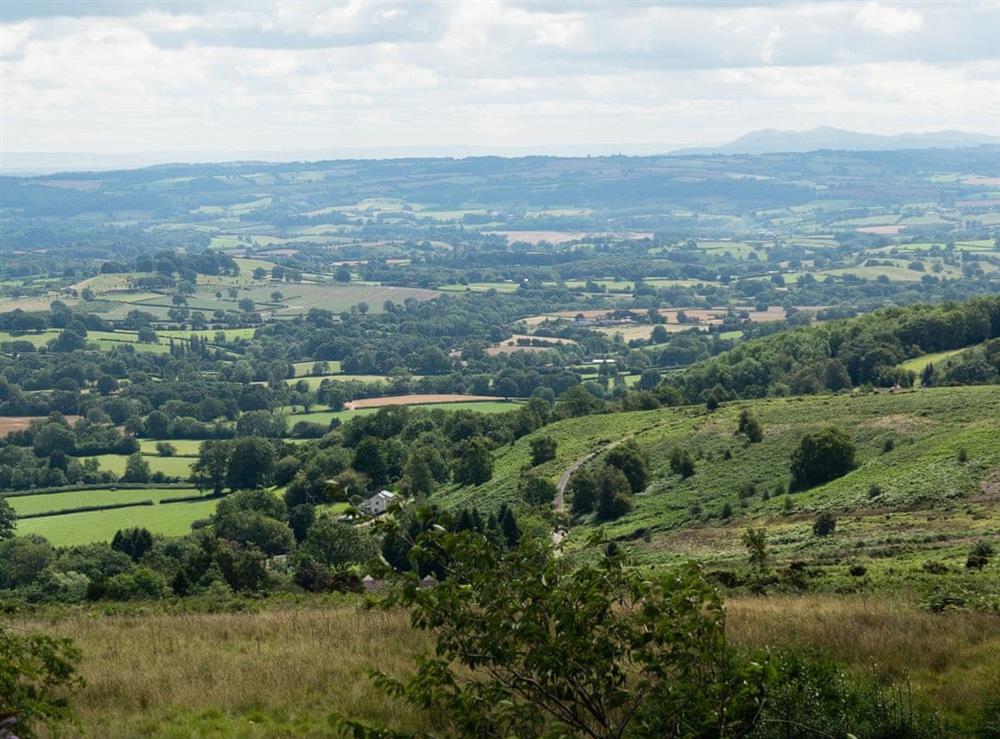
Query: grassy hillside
[(910, 499)]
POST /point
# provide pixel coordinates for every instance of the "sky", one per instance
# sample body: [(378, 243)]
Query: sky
[(480, 76)]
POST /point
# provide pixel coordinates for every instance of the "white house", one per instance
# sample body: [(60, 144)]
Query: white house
[(378, 503)]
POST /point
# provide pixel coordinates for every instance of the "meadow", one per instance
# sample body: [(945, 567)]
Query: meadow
[(153, 672), (172, 519)]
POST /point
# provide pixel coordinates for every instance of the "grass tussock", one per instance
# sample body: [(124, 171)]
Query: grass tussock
[(950, 660), (273, 673), (281, 672)]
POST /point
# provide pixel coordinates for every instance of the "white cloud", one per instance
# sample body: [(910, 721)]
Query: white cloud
[(888, 20), (303, 74)]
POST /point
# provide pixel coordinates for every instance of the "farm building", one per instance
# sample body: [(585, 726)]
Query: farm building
[(378, 503)]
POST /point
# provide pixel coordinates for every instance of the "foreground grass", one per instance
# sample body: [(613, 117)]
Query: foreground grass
[(273, 673), (951, 661), (283, 671)]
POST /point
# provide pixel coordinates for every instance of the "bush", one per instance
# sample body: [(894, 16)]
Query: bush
[(750, 427), (813, 696), (632, 461), (140, 584), (614, 494), (825, 524), (542, 450), (35, 671), (512, 674), (536, 490), (681, 462), (821, 457), (165, 449)]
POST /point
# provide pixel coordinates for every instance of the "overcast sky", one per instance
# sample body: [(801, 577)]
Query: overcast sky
[(290, 75)]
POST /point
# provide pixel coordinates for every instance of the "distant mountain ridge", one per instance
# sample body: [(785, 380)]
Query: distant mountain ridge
[(772, 140)]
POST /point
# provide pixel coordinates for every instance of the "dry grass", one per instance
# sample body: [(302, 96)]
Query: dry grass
[(281, 672), (951, 660), (162, 675)]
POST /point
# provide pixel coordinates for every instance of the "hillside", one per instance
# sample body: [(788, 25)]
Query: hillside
[(927, 505)]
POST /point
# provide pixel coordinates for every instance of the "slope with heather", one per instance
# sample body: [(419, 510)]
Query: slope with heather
[(926, 487)]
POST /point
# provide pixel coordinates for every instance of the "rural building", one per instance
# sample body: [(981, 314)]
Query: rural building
[(378, 503)]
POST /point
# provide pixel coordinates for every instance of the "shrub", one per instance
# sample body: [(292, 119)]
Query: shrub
[(821, 457), (934, 567), (583, 488), (542, 450), (825, 524), (858, 570), (614, 494), (512, 674), (681, 462), (750, 427), (536, 490), (632, 461), (140, 584), (35, 671)]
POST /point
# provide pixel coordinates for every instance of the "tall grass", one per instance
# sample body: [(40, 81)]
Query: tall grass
[(273, 673), (282, 671), (950, 660)]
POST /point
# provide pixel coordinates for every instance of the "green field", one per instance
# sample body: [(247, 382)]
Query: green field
[(917, 364), (480, 406), (170, 466), (480, 287), (304, 369), (173, 519), (28, 505), (184, 447)]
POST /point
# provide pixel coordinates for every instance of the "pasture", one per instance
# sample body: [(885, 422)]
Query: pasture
[(479, 406), (35, 504), (171, 519), (169, 466)]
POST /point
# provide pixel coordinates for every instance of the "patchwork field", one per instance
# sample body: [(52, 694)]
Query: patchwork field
[(173, 519)]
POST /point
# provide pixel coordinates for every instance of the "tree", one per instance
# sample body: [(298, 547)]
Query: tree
[(543, 449), (536, 490), (213, 463), (8, 519), (136, 469), (681, 462), (369, 458), (821, 456), (577, 401), (614, 494), (106, 384), (526, 646), (473, 461), (35, 673), (343, 274), (583, 490), (755, 541), (418, 478), (251, 463), (750, 427), (134, 542), (165, 449), (825, 524), (338, 544), (53, 437), (632, 461)]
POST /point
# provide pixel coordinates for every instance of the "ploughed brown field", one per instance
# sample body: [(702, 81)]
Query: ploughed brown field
[(19, 423)]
